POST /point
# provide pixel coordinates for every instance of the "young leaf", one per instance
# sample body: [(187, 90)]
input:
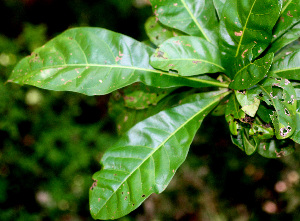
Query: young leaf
[(157, 32), (289, 16), (146, 158), (246, 24), (252, 73), (287, 66), (93, 61), (290, 36), (195, 18), (188, 55), (248, 101)]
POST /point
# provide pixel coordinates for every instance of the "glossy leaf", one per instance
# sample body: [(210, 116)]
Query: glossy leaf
[(275, 148), (188, 55), (158, 33), (219, 5), (290, 36), (146, 158), (252, 73), (288, 66), (93, 61), (192, 17), (289, 16), (246, 24)]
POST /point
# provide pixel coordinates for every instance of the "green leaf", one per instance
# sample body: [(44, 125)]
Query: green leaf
[(188, 55), (146, 158), (93, 61), (219, 5), (296, 135), (157, 32), (250, 143), (246, 24), (125, 117), (232, 114), (290, 36), (249, 102), (289, 16), (279, 93), (275, 148), (262, 132), (195, 18), (252, 73), (287, 66)]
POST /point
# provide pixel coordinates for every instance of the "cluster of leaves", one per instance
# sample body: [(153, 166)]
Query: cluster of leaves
[(243, 54)]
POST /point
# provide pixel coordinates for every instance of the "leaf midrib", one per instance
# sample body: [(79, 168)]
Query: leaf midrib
[(240, 42), (166, 140), (219, 84), (195, 20), (190, 59)]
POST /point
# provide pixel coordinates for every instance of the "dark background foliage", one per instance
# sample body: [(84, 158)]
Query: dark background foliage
[(51, 142)]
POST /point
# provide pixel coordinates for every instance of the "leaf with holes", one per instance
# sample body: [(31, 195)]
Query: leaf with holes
[(192, 17), (188, 55), (279, 93), (146, 157)]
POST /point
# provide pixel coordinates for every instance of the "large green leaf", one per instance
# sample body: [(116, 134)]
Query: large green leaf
[(157, 32), (252, 73), (290, 36), (246, 24), (288, 65), (146, 158), (188, 55), (289, 16), (195, 18), (93, 61)]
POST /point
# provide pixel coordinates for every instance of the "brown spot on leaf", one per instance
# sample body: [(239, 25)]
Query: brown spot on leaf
[(240, 33)]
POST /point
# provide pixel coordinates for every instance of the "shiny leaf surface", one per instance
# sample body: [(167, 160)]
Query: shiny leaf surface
[(93, 61), (290, 36), (146, 158), (188, 55), (246, 24), (289, 16), (158, 33), (252, 73), (288, 65), (192, 17)]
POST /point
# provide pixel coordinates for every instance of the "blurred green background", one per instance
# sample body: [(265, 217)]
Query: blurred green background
[(51, 142)]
